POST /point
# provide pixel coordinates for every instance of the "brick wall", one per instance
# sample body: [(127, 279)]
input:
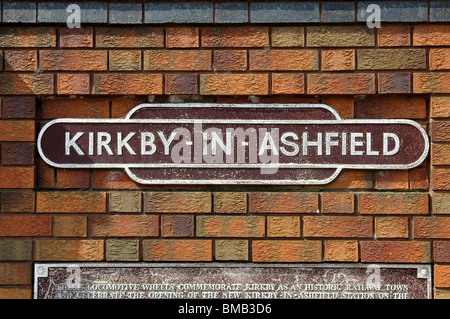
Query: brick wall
[(103, 70)]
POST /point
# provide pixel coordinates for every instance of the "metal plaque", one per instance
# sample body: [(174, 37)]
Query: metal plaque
[(233, 144), (231, 281)]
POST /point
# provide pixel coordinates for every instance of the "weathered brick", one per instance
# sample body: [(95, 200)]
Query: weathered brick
[(392, 107), (177, 60), (442, 276), (440, 179), (343, 105), (391, 227), (352, 179), (231, 12), (341, 250), (123, 226), (337, 226), (338, 203), (20, 226), (16, 107), (440, 106), (112, 179), (234, 84), (15, 274), (177, 250), (18, 153), (76, 37), (125, 202), (17, 177), (73, 60), (69, 250), (72, 84), (185, 12), (126, 37), (124, 60), (437, 82), (286, 251), (27, 37), (432, 227), (283, 226), (181, 84), (16, 249), (177, 226), (23, 60), (393, 203), (441, 203), (294, 202), (15, 293), (392, 180), (391, 59), (230, 202), (440, 131), (394, 83), (230, 226), (283, 60), (71, 202), (338, 60), (125, 13), (441, 293), (120, 106), (431, 35), (440, 154), (72, 178), (288, 36), (339, 36), (18, 202), (177, 202), (284, 12), (288, 83), (231, 249), (122, 250), (46, 177), (230, 60), (439, 59), (26, 84), (418, 178), (395, 251), (342, 83), (127, 84), (182, 37), (441, 251), (394, 36), (235, 37), (70, 226), (75, 108)]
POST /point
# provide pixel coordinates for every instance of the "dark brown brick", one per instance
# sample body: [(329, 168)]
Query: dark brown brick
[(177, 226), (18, 153), (18, 107), (181, 84), (18, 202)]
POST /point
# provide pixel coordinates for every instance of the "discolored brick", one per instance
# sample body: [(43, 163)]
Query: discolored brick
[(122, 250), (283, 226), (230, 226), (286, 251), (287, 36), (395, 251), (124, 202), (123, 226), (69, 250), (18, 202), (288, 83), (295, 202), (391, 227), (181, 84), (16, 249), (230, 202), (177, 250), (231, 249), (341, 250), (177, 226), (70, 226)]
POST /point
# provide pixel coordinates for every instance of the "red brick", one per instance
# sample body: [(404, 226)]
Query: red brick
[(235, 37), (15, 274), (338, 203), (76, 37), (393, 203), (71, 84), (181, 84), (230, 60), (286, 251), (440, 106), (288, 83), (343, 105), (395, 251), (352, 179), (125, 60), (126, 37), (338, 60), (17, 177), (75, 108), (283, 60), (337, 226), (440, 179), (295, 202), (234, 84), (27, 37), (230, 226), (23, 60), (18, 153), (341, 250), (120, 106), (72, 178), (442, 276), (440, 131), (15, 293), (124, 226), (432, 227), (392, 107), (127, 84), (342, 83), (18, 202), (177, 202), (392, 180), (46, 177), (177, 250), (71, 202), (177, 226), (69, 250), (26, 84), (439, 59), (418, 178), (182, 37), (14, 226), (177, 60), (73, 60), (70, 226), (230, 202), (437, 82), (431, 35), (394, 83), (18, 107), (283, 226), (394, 36), (391, 227), (112, 179), (441, 251)]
